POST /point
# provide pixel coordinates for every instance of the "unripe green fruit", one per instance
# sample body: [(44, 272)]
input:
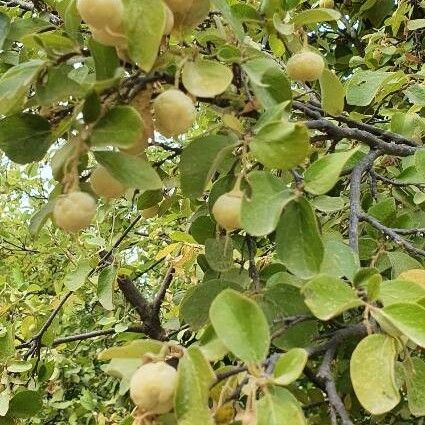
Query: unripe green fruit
[(104, 184), (101, 13), (109, 38), (74, 211), (327, 4), (305, 66), (227, 210), (174, 113), (152, 387)]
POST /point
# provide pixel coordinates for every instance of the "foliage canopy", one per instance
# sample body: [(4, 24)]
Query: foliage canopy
[(234, 187)]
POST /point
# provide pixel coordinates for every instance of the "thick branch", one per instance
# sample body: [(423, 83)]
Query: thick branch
[(355, 193)]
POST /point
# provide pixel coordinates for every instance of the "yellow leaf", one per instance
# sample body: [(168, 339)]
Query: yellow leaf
[(414, 275)]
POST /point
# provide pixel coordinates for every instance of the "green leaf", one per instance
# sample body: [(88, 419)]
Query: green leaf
[(195, 377), (408, 318), (332, 93), (416, 94), (415, 382), (144, 25), (4, 402), (269, 83), (322, 175), (195, 306), (298, 242), (290, 366), (339, 259), (58, 86), (415, 24), (373, 375), (219, 253), (240, 323), (206, 78), (4, 28), (105, 287), (281, 145), (25, 138), (364, 86), (401, 291), (105, 58), (314, 16), (130, 170), (19, 367), (279, 407), (7, 341), (75, 279), (121, 127), (25, 404), (135, 349), (228, 14), (302, 334), (327, 296), (40, 217), (285, 297), (15, 83), (207, 153), (262, 209)]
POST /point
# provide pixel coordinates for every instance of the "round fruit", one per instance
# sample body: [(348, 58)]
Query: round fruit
[(150, 212), (74, 211), (327, 4), (108, 37), (101, 13), (138, 148), (174, 113), (179, 6), (169, 23), (305, 66), (104, 184), (152, 387), (227, 210)]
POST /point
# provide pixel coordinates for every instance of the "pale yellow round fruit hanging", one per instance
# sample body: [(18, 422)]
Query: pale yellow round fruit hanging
[(174, 113), (74, 211), (305, 66), (101, 13), (227, 210), (152, 387), (104, 184), (327, 4)]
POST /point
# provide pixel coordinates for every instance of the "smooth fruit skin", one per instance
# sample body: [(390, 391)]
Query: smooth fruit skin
[(152, 387), (74, 211), (305, 66), (227, 210), (169, 23), (109, 38), (327, 4), (174, 113), (101, 13), (179, 6), (104, 184)]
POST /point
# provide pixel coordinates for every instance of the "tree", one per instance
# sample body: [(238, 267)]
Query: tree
[(218, 206)]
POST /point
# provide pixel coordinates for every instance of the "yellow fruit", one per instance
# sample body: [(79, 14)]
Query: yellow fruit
[(109, 38), (305, 66), (152, 387), (169, 23), (104, 184), (327, 4), (101, 13), (227, 210), (179, 6), (74, 211), (150, 212), (174, 113)]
